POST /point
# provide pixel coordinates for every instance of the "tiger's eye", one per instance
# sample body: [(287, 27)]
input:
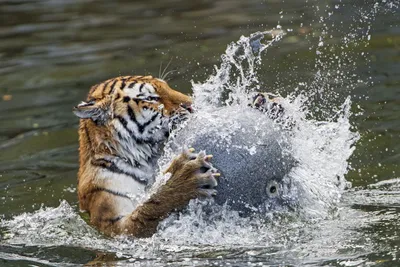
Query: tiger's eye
[(126, 99), (152, 98)]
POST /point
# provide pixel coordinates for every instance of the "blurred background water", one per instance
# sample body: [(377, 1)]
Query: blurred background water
[(52, 51)]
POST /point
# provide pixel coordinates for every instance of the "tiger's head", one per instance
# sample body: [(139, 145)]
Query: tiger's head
[(139, 92), (129, 117)]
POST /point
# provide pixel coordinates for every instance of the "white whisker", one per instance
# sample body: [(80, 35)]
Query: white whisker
[(162, 75), (166, 74), (159, 71)]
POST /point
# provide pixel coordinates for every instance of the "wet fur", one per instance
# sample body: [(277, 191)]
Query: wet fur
[(124, 124)]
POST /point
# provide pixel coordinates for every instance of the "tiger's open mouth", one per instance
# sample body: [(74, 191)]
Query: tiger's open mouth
[(188, 107)]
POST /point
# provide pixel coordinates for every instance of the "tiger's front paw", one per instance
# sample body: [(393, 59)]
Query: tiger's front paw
[(204, 174), (269, 104), (192, 175)]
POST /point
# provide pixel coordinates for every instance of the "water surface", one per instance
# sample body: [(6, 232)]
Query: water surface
[(51, 52)]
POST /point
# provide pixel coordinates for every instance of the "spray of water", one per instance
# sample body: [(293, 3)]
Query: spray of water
[(236, 74), (321, 148)]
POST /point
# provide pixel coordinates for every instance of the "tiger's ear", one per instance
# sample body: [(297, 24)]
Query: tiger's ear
[(92, 110)]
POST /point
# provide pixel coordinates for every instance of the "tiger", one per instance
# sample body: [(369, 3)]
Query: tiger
[(124, 124)]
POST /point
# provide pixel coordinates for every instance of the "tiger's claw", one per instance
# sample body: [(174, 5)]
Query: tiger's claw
[(207, 193), (208, 157)]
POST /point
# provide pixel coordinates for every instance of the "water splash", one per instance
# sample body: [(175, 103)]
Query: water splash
[(62, 225), (323, 149), (223, 112), (236, 74), (339, 54)]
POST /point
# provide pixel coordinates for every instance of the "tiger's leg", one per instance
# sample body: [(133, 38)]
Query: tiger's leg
[(192, 176)]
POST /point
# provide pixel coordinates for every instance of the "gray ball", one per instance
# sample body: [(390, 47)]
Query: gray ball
[(250, 151)]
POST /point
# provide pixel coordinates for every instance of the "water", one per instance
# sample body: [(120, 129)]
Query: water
[(336, 68)]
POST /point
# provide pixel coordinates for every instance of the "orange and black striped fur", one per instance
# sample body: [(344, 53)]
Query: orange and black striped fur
[(124, 124)]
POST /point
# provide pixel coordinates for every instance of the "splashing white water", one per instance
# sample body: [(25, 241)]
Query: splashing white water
[(237, 73)]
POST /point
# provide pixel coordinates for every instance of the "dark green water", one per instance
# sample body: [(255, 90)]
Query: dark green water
[(51, 52)]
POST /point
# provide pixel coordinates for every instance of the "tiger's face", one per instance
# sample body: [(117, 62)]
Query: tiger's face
[(136, 106)]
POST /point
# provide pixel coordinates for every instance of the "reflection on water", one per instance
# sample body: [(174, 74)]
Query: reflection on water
[(52, 51)]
